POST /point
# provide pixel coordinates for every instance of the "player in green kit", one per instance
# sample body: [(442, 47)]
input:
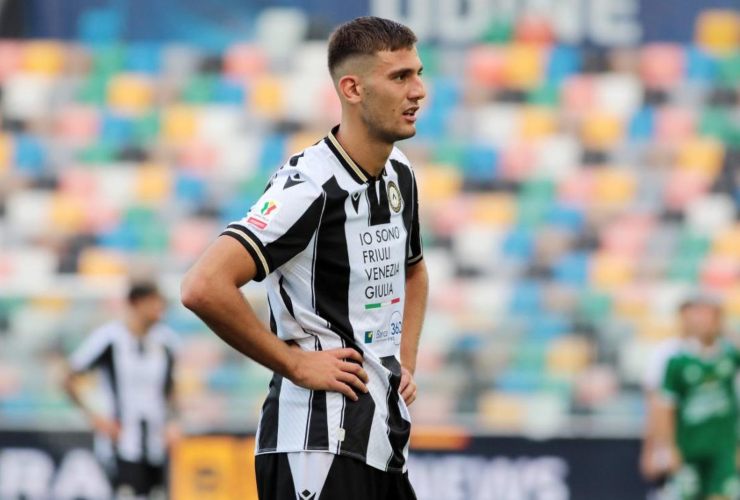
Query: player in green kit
[(697, 418)]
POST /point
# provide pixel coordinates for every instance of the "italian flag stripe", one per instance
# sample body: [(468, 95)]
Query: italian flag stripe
[(377, 305)]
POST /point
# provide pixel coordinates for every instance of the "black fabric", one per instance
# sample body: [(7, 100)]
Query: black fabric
[(141, 477), (348, 479), (268, 431)]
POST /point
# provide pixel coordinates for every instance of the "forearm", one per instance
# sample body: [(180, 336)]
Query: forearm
[(228, 314), (417, 289), (70, 387), (664, 431)]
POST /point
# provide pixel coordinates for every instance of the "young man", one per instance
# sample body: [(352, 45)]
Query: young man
[(653, 465), (135, 357), (336, 238), (697, 418)]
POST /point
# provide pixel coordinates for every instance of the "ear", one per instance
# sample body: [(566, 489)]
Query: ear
[(350, 88)]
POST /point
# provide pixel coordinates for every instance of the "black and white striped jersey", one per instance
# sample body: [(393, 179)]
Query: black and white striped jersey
[(333, 244), (137, 375)]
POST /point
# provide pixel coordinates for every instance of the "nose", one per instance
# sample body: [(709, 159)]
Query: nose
[(418, 91)]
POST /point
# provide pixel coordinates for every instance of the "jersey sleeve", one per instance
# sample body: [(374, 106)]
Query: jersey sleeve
[(416, 251), (282, 222), (656, 368), (91, 352)]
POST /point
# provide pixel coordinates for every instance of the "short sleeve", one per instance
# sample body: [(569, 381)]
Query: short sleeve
[(91, 352), (656, 367), (415, 251), (282, 222)]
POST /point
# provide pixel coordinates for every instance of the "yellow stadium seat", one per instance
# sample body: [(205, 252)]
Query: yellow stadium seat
[(502, 411), (523, 66), (492, 209), (302, 140), (179, 124), (610, 271), (568, 356), (438, 182), (43, 57), (153, 183), (129, 93), (68, 213), (632, 303), (100, 263), (614, 186), (703, 155), (536, 122), (266, 97), (718, 31), (727, 243), (732, 302), (601, 130), (6, 152)]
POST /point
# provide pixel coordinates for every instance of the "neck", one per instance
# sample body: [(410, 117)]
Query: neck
[(365, 149), (136, 326)]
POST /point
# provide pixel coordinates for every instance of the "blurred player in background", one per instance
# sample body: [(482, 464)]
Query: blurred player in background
[(135, 357), (653, 465), (336, 236), (696, 420)]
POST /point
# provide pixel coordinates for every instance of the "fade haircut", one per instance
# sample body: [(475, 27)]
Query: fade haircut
[(142, 289), (366, 36)]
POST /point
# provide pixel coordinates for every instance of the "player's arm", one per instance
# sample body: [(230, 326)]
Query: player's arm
[(417, 289), (211, 289), (100, 423), (665, 433)]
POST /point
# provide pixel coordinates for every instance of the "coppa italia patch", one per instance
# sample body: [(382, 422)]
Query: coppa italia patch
[(266, 210)]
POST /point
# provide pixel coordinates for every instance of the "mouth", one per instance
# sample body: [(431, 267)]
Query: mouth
[(410, 114)]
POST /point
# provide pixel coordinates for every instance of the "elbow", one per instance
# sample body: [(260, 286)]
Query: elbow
[(193, 292)]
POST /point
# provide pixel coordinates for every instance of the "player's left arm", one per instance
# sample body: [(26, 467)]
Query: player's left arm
[(417, 289)]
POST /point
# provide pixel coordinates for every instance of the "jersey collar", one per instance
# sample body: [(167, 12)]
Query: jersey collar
[(355, 171)]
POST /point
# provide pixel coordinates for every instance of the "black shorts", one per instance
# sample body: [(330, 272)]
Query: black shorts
[(139, 477), (325, 476)]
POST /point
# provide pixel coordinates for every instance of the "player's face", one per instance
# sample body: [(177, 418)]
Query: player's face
[(150, 309), (393, 91), (702, 321)]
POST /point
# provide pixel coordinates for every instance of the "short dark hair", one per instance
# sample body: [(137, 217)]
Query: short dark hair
[(367, 36), (142, 289)]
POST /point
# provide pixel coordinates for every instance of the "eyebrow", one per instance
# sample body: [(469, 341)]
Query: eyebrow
[(404, 71)]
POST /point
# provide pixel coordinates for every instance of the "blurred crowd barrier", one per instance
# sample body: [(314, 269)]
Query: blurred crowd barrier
[(570, 197)]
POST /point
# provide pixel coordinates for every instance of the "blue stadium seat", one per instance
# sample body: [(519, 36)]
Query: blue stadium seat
[(564, 61), (30, 155), (143, 57), (642, 124)]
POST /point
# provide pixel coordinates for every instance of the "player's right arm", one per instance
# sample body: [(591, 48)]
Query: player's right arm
[(211, 289), (665, 420), (86, 358)]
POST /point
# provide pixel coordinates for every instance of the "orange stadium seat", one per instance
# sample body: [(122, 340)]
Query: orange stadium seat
[(11, 58), (267, 97), (601, 130), (701, 155), (578, 94), (662, 65), (486, 65), (100, 263), (534, 29), (610, 271), (614, 186), (153, 183), (244, 61), (68, 213), (674, 125), (179, 124)]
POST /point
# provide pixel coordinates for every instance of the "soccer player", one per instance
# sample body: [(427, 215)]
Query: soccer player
[(653, 465), (336, 238), (135, 358), (697, 418)]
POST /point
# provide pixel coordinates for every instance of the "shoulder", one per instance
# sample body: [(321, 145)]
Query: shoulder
[(166, 336), (400, 160), (310, 167), (106, 332)]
